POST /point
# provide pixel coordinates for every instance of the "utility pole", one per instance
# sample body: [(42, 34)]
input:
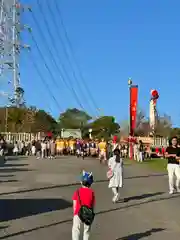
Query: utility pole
[(15, 51), (10, 48)]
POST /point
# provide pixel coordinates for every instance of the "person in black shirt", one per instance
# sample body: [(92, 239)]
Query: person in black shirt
[(173, 167)]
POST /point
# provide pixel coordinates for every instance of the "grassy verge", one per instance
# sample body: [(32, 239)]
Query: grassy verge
[(156, 164)]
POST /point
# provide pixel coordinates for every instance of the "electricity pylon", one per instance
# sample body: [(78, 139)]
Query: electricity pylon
[(10, 48)]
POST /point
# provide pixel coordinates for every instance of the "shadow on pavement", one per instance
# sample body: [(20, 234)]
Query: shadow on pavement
[(15, 158), (138, 236), (19, 208), (40, 189), (13, 165), (36, 229), (143, 196), (139, 203), (5, 176), (134, 177), (9, 170), (147, 176), (3, 227), (8, 181), (98, 213), (45, 188)]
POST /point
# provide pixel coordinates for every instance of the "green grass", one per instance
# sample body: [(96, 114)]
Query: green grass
[(156, 164)]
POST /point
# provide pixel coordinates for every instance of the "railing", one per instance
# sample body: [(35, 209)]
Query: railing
[(9, 136), (157, 141)]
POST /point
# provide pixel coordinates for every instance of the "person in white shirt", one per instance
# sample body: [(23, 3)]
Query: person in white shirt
[(16, 149), (115, 165), (136, 152), (43, 149)]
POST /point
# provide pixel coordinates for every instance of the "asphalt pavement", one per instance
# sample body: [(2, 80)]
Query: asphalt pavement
[(36, 201)]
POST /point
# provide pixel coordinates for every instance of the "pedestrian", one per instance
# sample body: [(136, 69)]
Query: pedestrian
[(115, 165), (163, 151), (141, 151), (173, 167), (83, 207), (43, 149), (16, 149), (136, 151), (110, 149), (38, 149), (102, 150), (52, 148)]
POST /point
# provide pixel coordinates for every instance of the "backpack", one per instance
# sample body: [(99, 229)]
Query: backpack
[(86, 214)]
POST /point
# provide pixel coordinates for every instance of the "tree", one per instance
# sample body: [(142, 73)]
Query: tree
[(26, 120), (124, 128), (164, 126), (175, 132), (142, 124), (143, 130), (30, 118), (104, 127), (15, 118), (74, 119), (140, 118), (43, 122)]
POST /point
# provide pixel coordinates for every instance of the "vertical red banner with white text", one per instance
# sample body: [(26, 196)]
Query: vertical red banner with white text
[(133, 108)]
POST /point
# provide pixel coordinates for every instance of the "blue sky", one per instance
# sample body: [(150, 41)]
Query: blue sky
[(112, 40)]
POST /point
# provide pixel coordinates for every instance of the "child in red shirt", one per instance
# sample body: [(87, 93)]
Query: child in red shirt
[(87, 198)]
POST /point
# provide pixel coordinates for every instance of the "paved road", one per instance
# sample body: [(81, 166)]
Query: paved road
[(36, 202)]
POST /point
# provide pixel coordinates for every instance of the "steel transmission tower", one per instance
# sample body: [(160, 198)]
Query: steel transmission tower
[(10, 47)]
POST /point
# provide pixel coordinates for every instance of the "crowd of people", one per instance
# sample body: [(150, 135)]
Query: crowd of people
[(51, 147)]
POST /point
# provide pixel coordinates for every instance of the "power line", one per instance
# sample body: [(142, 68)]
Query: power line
[(45, 63), (69, 86), (66, 53), (44, 82), (46, 85), (73, 55), (18, 27)]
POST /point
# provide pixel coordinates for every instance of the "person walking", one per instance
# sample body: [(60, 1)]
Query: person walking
[(115, 165), (52, 149), (83, 207), (16, 149), (43, 149), (136, 151), (141, 151), (110, 149), (173, 155)]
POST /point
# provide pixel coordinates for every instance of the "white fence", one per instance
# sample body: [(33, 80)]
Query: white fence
[(9, 136), (157, 141), (160, 142)]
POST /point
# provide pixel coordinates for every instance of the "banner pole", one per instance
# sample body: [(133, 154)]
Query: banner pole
[(130, 122), (133, 95)]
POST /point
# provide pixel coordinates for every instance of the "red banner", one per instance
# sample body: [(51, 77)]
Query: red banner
[(133, 108)]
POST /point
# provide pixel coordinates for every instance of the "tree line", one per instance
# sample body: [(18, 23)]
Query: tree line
[(163, 127), (31, 119)]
